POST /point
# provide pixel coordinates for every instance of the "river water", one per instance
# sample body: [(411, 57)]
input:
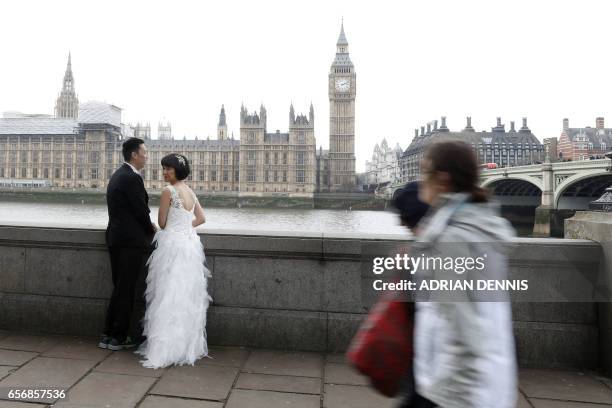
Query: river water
[(252, 219)]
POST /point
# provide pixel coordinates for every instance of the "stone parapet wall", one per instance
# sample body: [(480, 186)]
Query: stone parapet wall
[(301, 291)]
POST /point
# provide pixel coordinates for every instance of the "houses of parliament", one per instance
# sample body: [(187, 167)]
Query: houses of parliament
[(80, 146)]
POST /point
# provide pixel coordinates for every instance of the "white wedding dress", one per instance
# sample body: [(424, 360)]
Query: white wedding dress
[(177, 294)]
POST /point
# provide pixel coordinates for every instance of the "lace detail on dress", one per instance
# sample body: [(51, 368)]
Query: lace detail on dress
[(175, 199), (177, 202)]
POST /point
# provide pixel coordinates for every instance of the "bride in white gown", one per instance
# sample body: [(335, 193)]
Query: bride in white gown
[(176, 295)]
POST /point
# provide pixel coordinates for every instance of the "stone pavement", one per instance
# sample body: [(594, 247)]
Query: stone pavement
[(235, 378)]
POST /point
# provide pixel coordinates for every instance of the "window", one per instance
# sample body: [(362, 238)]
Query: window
[(46, 173), (69, 172), (300, 158), (225, 175), (58, 173), (202, 175), (155, 174), (285, 176), (251, 174), (24, 172), (267, 158), (225, 158), (79, 173), (266, 176), (299, 176), (213, 175), (236, 176), (34, 172), (301, 139), (213, 159), (285, 158)]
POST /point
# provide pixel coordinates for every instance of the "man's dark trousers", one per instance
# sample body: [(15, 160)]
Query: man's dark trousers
[(127, 264)]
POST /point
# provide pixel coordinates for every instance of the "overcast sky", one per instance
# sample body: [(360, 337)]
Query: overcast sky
[(415, 61)]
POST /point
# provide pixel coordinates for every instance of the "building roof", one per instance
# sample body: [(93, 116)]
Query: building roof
[(205, 143), (276, 137), (594, 136), (342, 60), (420, 142), (38, 126), (99, 112)]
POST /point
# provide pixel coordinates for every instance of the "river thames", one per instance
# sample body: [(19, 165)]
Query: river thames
[(252, 219)]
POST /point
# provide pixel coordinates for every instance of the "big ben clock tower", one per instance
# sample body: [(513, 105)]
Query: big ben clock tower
[(342, 91)]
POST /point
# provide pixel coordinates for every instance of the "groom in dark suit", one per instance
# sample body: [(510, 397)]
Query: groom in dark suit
[(128, 237)]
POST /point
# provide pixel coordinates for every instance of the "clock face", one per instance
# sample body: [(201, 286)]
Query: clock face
[(343, 84)]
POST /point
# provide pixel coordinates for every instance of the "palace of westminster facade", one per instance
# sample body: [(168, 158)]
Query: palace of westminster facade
[(80, 146)]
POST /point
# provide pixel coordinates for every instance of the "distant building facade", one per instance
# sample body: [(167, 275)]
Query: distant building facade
[(384, 167), (62, 152), (80, 146), (164, 131), (277, 163), (505, 148), (584, 143), (142, 131), (342, 89)]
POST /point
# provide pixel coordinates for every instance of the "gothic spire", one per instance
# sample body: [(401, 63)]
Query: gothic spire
[(222, 121), (342, 38), (342, 53), (311, 114), (68, 78), (67, 104)]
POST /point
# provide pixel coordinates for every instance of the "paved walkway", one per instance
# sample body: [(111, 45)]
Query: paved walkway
[(235, 378)]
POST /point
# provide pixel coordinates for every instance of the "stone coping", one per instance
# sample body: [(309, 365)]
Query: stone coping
[(203, 231), (294, 244)]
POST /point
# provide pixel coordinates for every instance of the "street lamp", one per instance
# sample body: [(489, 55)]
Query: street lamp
[(604, 203)]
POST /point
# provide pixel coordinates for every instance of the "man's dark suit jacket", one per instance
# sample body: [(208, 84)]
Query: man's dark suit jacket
[(129, 223)]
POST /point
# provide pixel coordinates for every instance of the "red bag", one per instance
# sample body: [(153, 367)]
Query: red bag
[(382, 348)]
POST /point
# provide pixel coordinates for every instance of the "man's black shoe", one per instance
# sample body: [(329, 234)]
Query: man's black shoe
[(104, 340), (115, 345)]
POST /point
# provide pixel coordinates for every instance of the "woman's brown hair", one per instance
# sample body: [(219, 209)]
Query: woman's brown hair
[(457, 158)]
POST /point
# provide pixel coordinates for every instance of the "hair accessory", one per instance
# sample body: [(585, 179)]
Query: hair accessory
[(180, 158)]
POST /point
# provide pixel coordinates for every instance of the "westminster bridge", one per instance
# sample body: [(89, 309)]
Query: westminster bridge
[(554, 190)]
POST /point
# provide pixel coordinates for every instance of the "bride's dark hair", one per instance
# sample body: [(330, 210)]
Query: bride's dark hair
[(179, 163)]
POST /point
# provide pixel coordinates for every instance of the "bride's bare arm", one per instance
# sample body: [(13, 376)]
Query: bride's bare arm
[(199, 214), (164, 206)]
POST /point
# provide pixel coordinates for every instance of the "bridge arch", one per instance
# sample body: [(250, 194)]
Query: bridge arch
[(575, 192), (526, 178), (515, 191)]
